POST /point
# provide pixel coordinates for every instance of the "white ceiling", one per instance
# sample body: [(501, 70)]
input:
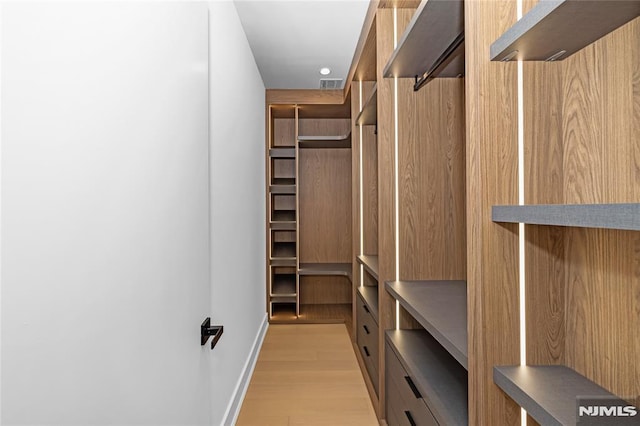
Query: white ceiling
[(292, 39)]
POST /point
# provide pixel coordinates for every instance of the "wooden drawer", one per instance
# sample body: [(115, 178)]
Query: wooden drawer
[(405, 399)]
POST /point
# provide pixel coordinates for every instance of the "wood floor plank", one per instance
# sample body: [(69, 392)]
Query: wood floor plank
[(307, 374)]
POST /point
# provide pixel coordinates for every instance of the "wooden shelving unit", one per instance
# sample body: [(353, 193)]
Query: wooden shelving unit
[(369, 114), (441, 308), (607, 216), (554, 30), (440, 380), (578, 142), (549, 393), (309, 270), (370, 263), (432, 45)]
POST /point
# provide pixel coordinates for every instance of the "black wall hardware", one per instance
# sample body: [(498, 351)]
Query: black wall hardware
[(206, 331)]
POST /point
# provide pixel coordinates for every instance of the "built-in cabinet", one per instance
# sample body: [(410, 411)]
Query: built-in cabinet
[(484, 248), (496, 209), (309, 175)]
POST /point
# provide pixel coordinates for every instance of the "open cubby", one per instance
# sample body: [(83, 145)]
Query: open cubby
[(283, 171), (283, 282), (283, 244), (283, 310), (283, 208)]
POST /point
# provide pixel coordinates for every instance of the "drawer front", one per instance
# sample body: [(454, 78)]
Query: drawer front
[(413, 405), (370, 361)]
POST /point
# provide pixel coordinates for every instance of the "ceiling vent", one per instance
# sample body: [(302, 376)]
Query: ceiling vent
[(330, 83)]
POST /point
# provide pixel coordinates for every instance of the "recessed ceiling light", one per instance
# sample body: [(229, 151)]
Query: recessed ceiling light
[(325, 71)]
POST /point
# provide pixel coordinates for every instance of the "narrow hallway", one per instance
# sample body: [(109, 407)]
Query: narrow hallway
[(307, 375)]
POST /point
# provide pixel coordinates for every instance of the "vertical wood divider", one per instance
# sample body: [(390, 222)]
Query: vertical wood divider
[(492, 249)]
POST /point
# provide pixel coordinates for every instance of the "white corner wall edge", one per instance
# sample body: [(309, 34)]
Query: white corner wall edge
[(233, 410)]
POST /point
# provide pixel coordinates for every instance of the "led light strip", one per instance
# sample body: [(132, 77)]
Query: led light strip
[(361, 195), (521, 235), (395, 171)]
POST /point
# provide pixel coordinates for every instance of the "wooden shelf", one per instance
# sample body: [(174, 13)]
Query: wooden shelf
[(323, 269), (283, 262), (370, 296), (283, 285), (342, 141), (282, 226), (440, 307), (369, 114), (282, 189), (609, 216), (282, 153), (441, 381), (370, 263), (554, 26), (548, 393), (433, 30)]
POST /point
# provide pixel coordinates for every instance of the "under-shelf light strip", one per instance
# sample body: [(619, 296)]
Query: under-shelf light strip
[(521, 228), (361, 197), (395, 157)]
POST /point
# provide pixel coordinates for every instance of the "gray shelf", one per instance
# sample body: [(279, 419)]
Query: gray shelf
[(553, 26), (548, 393), (442, 382), (369, 114), (282, 189), (370, 263), (342, 141), (370, 296), (433, 30), (608, 216), (325, 269), (440, 307), (282, 153)]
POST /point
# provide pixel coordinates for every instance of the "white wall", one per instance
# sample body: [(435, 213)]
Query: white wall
[(237, 100), (105, 214)]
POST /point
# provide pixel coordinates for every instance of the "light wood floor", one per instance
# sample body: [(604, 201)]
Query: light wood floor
[(307, 374)]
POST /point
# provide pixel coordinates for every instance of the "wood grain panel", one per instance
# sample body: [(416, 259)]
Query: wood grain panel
[(492, 262), (325, 290), (324, 184), (601, 150), (284, 132), (370, 181), (366, 68), (400, 4), (432, 180), (305, 96), (386, 168), (544, 252), (365, 50), (323, 127)]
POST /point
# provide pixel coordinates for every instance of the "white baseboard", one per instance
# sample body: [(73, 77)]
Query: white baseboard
[(240, 391)]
